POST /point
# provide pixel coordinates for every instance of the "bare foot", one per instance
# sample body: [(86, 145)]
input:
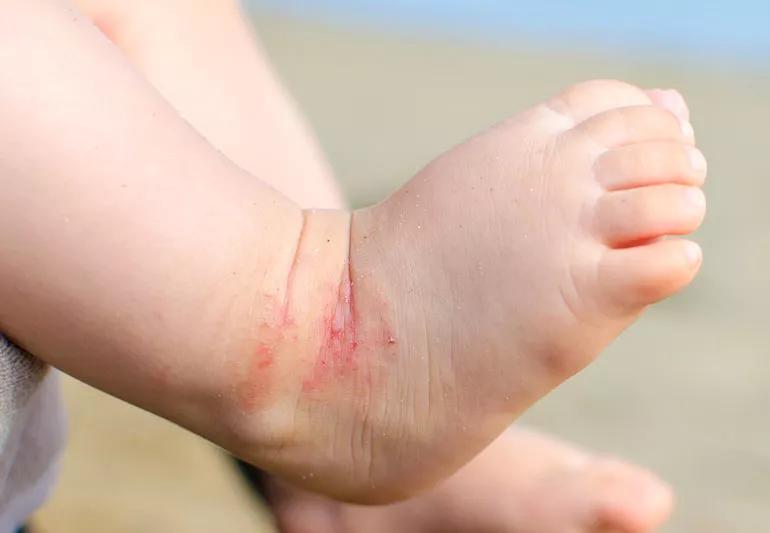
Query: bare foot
[(523, 483), (496, 273)]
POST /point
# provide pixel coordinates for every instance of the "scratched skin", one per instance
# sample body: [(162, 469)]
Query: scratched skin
[(256, 384), (344, 349)]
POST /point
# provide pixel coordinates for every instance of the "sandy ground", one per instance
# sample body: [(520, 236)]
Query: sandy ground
[(685, 391)]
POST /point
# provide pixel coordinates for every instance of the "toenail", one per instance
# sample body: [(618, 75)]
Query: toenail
[(687, 130), (675, 97), (692, 252), (675, 102), (697, 160), (695, 197)]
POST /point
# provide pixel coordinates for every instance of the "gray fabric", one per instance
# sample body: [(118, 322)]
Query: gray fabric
[(31, 433)]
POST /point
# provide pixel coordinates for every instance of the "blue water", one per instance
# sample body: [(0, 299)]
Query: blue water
[(737, 30)]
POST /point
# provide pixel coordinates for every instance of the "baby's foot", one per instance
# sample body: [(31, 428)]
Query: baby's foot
[(508, 263), (499, 271), (524, 483)]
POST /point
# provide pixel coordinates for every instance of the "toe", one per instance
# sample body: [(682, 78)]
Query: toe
[(650, 163), (631, 216), (628, 125), (672, 100), (589, 98), (631, 278), (628, 498)]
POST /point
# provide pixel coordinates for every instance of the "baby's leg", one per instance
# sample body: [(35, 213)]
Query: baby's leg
[(204, 59), (135, 256), (140, 260)]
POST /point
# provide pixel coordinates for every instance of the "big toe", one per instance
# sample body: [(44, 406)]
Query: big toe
[(626, 499), (634, 277)]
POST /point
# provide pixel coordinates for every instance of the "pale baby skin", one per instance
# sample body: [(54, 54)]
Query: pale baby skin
[(363, 354)]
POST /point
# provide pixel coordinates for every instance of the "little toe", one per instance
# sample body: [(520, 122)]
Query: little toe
[(651, 163), (635, 215), (589, 98), (629, 125), (632, 278), (672, 100)]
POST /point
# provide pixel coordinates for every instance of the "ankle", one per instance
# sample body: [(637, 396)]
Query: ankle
[(294, 379), (323, 368)]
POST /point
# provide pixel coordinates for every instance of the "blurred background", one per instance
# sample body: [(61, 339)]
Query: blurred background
[(388, 85)]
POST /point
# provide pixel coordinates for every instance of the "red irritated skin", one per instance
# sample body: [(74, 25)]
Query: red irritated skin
[(348, 348), (322, 353), (334, 358), (256, 385), (343, 353), (338, 352), (291, 338), (296, 347)]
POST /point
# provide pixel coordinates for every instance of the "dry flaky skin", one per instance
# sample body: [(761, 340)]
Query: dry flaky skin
[(332, 355), (367, 355)]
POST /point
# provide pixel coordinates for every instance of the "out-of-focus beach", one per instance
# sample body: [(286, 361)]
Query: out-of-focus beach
[(685, 392)]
